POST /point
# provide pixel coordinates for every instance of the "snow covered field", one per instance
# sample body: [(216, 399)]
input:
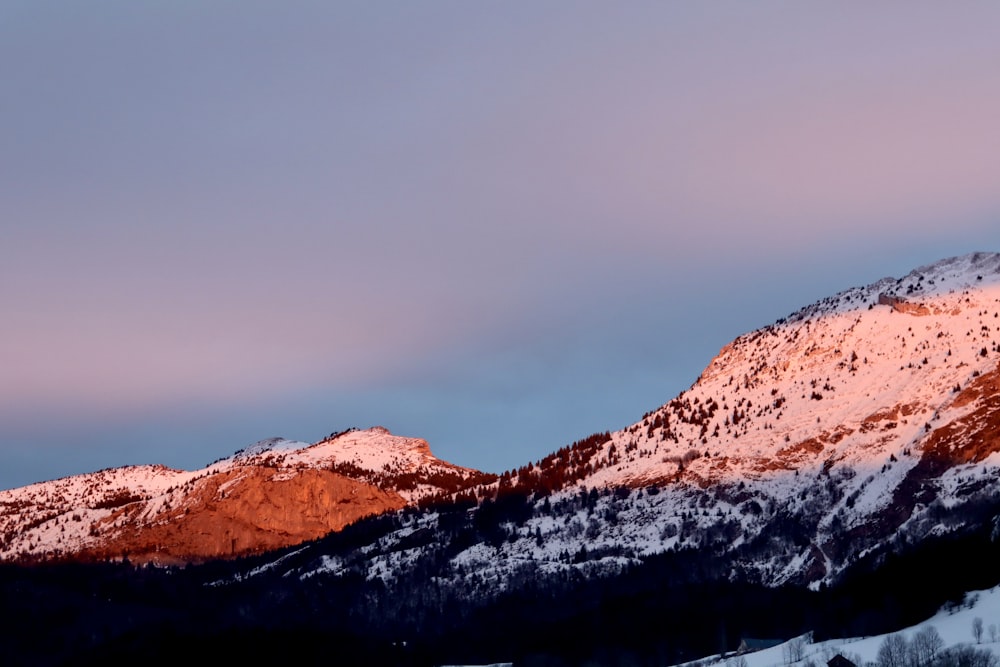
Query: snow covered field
[(955, 627)]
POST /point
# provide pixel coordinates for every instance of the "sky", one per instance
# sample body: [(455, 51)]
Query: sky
[(498, 226)]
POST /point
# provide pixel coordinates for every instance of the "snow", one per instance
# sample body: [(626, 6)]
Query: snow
[(863, 436), (838, 393), (56, 517), (953, 625), (846, 382), (269, 445)]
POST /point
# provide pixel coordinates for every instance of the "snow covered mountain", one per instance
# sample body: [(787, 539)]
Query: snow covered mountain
[(272, 494), (868, 418), (836, 472), (863, 421)]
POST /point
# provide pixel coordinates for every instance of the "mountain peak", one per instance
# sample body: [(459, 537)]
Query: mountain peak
[(951, 274), (274, 493), (947, 276), (867, 414), (884, 395), (268, 445)]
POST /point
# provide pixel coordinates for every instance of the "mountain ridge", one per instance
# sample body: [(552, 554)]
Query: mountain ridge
[(813, 441), (806, 446), (271, 494), (837, 471)]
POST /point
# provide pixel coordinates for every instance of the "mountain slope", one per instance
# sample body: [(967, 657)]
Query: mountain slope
[(850, 380), (272, 494), (859, 423), (838, 469), (953, 626), (866, 419)]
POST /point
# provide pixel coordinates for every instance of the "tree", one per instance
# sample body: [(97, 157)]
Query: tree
[(893, 652), (966, 656), (796, 649), (977, 629), (925, 647)]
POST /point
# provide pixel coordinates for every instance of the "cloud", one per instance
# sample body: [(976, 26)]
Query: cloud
[(405, 209)]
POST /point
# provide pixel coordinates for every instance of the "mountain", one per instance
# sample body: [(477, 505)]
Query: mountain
[(272, 494), (867, 417), (836, 436), (835, 472)]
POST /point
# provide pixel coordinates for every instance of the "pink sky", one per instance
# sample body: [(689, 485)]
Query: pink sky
[(496, 226)]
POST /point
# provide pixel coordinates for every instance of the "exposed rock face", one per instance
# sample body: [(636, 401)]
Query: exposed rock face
[(239, 512), (901, 305), (975, 436)]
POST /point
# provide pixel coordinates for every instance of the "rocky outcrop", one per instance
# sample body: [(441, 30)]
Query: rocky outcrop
[(240, 512)]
